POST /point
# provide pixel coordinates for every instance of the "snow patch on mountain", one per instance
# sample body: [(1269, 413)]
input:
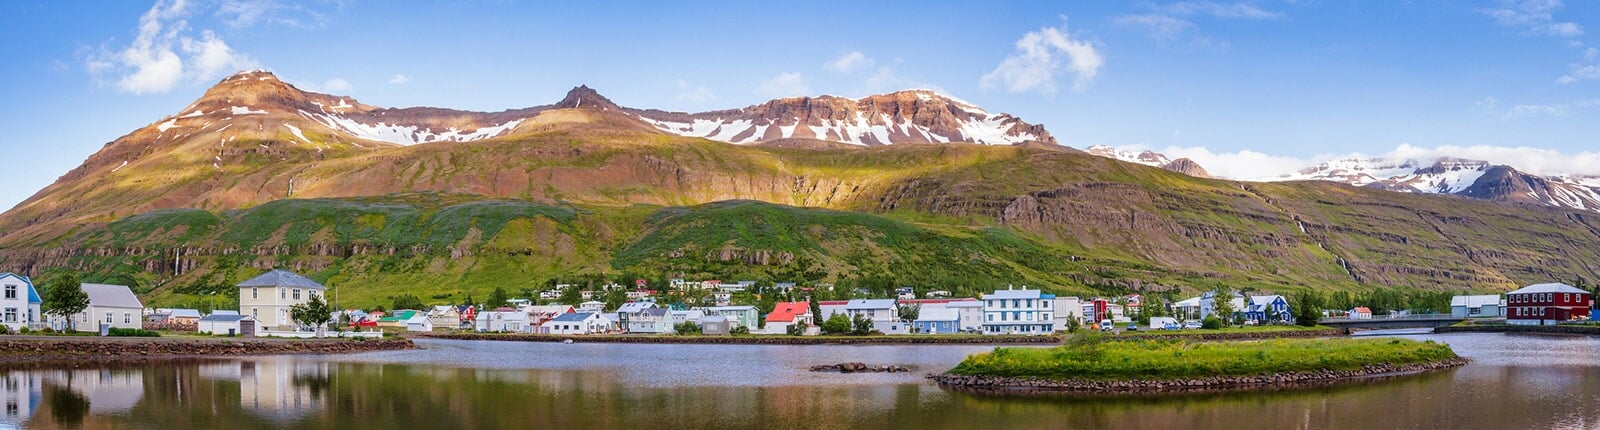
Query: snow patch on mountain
[(407, 134), (167, 125), (245, 110)]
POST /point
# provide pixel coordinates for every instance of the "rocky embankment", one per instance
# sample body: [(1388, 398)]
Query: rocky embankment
[(92, 350), (856, 367), (1009, 385), (756, 340), (1507, 328)]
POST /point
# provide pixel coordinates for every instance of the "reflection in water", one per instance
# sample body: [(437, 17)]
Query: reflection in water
[(1515, 382)]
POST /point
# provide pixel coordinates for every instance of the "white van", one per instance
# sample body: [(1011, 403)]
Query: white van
[(1107, 326)]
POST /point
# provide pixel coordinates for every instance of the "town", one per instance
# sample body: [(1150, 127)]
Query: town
[(281, 303)]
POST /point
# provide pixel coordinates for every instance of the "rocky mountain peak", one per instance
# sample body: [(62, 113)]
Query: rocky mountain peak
[(583, 97)]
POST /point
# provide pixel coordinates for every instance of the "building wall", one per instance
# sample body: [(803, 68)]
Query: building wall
[(270, 305), (93, 316)]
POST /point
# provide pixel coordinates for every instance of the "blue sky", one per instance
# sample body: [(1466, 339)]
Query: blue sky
[(1247, 88)]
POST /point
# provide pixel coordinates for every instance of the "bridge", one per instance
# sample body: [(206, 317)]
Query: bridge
[(1383, 323)]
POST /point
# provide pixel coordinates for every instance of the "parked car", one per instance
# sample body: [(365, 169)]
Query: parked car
[(1191, 325), (1171, 326), (1106, 326), (1133, 326)]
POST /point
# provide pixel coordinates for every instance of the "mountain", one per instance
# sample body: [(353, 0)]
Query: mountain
[(913, 116), (1444, 175), (1151, 158), (257, 174)]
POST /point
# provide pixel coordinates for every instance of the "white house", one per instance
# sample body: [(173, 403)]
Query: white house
[(20, 302), (110, 305), (577, 323), (592, 306), (268, 297), (1068, 308), (227, 325), (502, 320), (442, 316), (1486, 306), (419, 322), (739, 316), (971, 313), (1019, 312), (938, 321), (680, 317), (649, 320), (785, 314)]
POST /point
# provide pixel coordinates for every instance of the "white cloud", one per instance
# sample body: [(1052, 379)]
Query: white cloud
[(245, 13), (399, 79), (1557, 110), (1534, 17), (337, 86), (1591, 54), (790, 84), (1231, 11), (1578, 72), (153, 63), (1040, 57), (1251, 165), (848, 62), (1159, 27), (695, 94)]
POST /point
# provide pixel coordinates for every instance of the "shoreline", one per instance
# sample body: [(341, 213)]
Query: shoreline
[(1209, 336), (1001, 385), (74, 351), (1533, 329), (755, 339)]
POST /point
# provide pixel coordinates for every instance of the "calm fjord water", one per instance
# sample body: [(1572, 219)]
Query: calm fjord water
[(1514, 382)]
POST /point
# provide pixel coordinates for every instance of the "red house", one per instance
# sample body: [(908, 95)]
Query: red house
[(1544, 304)]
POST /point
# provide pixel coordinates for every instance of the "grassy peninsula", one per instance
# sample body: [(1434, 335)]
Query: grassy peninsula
[(1092, 358)]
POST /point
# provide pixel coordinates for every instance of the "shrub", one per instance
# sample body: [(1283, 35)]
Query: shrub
[(26, 330), (131, 332), (836, 324), (860, 325), (687, 328), (796, 330), (740, 330), (1211, 323)]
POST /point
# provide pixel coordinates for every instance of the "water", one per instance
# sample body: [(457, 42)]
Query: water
[(1514, 382)]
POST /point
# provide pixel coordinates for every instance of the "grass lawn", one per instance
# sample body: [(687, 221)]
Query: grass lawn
[(1090, 357)]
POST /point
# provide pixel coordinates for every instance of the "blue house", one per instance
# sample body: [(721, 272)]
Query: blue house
[(938, 321), (1268, 309)]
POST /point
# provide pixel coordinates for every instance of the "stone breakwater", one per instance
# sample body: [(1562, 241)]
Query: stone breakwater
[(1506, 328), (1023, 385), (757, 340), (1251, 335), (75, 350)]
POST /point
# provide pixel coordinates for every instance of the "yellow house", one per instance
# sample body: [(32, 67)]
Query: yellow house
[(268, 297)]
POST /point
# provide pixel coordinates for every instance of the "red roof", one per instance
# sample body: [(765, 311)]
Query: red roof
[(1363, 309), (933, 301), (786, 311)]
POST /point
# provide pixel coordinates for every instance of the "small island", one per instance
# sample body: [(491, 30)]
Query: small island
[(1096, 364)]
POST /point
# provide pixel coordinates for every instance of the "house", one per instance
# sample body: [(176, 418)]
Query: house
[(971, 315), (938, 321), (109, 305), (783, 287), (650, 321), (884, 314), (785, 314), (1208, 304), (1022, 311), (1486, 306), (442, 316), (905, 293), (680, 317), (721, 298), (419, 322), (641, 294), (1360, 313), (577, 323), (592, 307), (739, 316), (1189, 308), (175, 316), (538, 315), (1267, 309), (227, 325), (502, 320), (397, 319), (1067, 309), (1547, 304), (716, 325), (468, 315), (634, 307), (20, 302), (936, 294), (268, 297)]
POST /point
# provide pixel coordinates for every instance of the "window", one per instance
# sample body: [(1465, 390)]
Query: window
[(297, 294), (127, 318), (108, 318), (1047, 304), (11, 315), (283, 293), (11, 291), (255, 292), (255, 313)]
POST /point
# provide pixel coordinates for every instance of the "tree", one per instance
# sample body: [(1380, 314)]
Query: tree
[(571, 296), (910, 312), (1307, 309), (836, 324), (615, 297), (407, 301), (497, 298), (64, 297), (468, 301), (1211, 323), (860, 325), (687, 328), (796, 329), (314, 312), (1222, 302)]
